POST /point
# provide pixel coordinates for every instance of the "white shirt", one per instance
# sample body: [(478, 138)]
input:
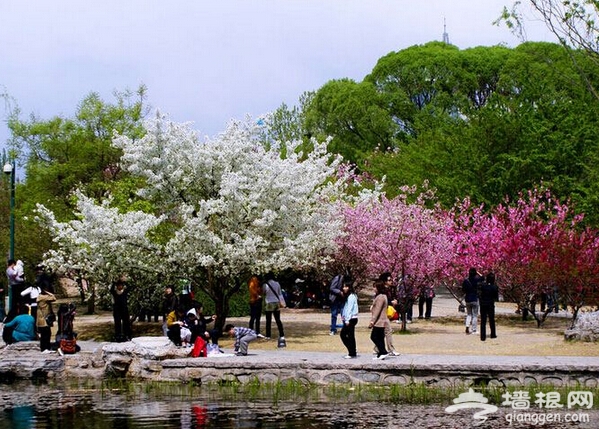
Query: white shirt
[(33, 292)]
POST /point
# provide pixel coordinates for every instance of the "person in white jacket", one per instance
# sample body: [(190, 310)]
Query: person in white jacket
[(33, 292), (349, 317)]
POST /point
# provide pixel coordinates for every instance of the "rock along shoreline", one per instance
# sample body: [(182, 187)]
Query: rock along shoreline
[(157, 359)]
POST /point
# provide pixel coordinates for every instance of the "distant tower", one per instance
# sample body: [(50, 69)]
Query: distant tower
[(445, 35)]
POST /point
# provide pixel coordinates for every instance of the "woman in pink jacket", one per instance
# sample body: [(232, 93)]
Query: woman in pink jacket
[(378, 319)]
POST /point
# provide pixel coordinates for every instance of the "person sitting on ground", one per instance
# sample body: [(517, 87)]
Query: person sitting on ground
[(199, 325), (22, 326), (174, 322), (243, 337)]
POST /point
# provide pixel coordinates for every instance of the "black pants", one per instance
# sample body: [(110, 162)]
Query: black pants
[(45, 333), (255, 315), (122, 325), (277, 315), (405, 309), (174, 334), (487, 310), (422, 303), (348, 337), (377, 336)]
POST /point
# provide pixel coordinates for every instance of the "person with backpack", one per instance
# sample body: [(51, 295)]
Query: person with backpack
[(470, 287), (489, 293)]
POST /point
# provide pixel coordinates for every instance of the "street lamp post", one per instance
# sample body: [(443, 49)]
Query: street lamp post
[(9, 170)]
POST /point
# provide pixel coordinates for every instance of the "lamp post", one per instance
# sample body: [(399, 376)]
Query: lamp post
[(9, 170)]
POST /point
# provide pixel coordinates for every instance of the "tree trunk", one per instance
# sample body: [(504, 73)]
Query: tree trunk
[(91, 301)]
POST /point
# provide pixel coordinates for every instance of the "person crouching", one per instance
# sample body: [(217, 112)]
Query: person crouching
[(243, 336)]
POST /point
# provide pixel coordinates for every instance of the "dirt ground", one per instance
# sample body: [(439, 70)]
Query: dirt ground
[(444, 333)]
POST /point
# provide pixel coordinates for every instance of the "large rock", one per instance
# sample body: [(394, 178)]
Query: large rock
[(586, 328), (123, 358)]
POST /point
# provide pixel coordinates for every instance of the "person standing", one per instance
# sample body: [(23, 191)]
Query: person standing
[(388, 283), (425, 301), (120, 312), (489, 293), (470, 289), (378, 319), (44, 309), (16, 281), (336, 300), (273, 296), (349, 317), (169, 304), (255, 305), (33, 292), (2, 303)]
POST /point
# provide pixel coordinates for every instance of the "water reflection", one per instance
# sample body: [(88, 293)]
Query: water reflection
[(26, 406)]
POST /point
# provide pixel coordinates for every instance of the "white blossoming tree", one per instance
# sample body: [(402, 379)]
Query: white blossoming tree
[(225, 208)]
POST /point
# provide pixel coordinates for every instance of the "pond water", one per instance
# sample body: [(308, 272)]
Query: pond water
[(26, 406)]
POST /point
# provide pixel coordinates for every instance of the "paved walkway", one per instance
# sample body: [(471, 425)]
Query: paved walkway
[(265, 354)]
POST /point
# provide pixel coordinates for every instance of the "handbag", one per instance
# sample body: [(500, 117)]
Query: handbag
[(50, 318), (461, 308), (68, 346), (200, 348), (392, 313), (281, 303)]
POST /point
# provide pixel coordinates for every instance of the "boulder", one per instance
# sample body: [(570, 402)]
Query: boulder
[(586, 328)]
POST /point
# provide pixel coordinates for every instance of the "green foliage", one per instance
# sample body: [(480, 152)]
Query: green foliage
[(355, 114), (486, 122), (238, 303), (60, 154)]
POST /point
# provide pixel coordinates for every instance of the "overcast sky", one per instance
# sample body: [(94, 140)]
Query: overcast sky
[(209, 61)]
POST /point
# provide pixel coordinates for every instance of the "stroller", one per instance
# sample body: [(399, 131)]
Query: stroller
[(65, 336)]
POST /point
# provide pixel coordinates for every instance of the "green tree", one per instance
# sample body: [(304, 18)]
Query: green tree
[(525, 118), (573, 23), (60, 154), (355, 115)]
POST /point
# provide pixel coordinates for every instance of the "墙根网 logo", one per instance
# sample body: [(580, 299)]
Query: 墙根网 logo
[(472, 400)]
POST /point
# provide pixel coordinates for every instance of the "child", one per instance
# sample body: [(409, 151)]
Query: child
[(243, 336)]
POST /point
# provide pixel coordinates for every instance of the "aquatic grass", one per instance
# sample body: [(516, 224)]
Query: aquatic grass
[(305, 392), (413, 393)]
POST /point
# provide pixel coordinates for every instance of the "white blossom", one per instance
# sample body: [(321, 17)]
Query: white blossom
[(236, 205)]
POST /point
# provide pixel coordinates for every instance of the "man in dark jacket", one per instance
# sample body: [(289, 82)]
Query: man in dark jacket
[(488, 294), (120, 312), (470, 289), (336, 300)]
